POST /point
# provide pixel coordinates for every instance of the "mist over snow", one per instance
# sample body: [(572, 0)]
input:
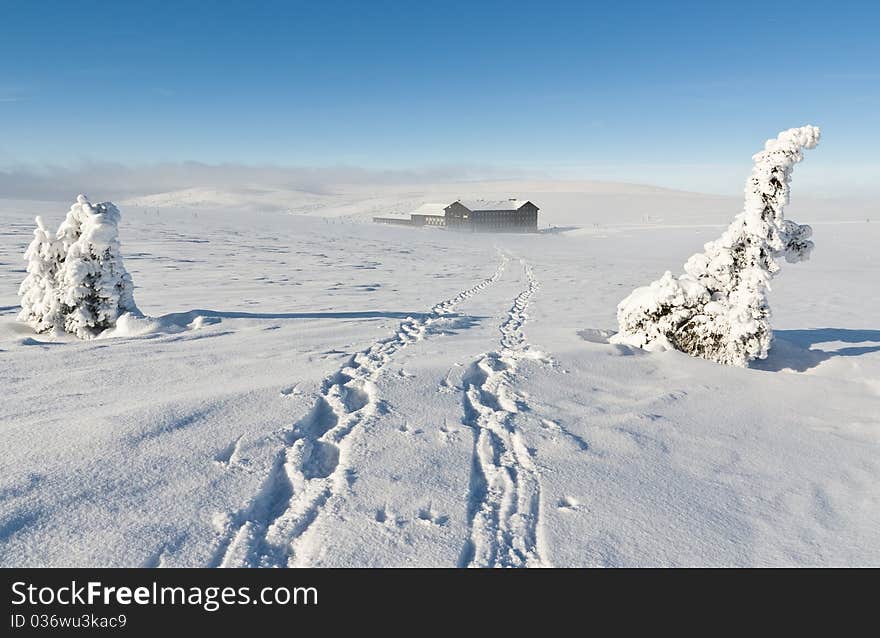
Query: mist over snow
[(119, 181)]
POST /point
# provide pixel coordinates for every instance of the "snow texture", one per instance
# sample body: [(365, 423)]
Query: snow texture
[(718, 308), (305, 393), (76, 281)]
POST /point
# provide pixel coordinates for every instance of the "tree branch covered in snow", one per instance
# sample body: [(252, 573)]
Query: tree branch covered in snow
[(718, 308), (76, 281)]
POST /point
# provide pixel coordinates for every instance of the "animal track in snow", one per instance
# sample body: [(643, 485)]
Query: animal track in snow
[(448, 433), (553, 426), (406, 429), (290, 390), (229, 456), (428, 516), (568, 504)]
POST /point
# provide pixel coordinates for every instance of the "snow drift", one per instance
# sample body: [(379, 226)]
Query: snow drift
[(76, 280), (718, 308)]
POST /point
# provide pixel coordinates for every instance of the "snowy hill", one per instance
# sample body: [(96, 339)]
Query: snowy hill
[(583, 204)]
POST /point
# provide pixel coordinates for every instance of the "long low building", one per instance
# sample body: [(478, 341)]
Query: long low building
[(399, 221), (474, 215)]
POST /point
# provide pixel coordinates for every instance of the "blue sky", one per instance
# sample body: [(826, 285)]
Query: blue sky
[(673, 93)]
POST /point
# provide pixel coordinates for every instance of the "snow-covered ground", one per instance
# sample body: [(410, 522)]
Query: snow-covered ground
[(313, 389)]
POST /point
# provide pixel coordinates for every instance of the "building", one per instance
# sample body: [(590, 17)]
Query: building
[(505, 216), (425, 215), (428, 220), (475, 215), (429, 215), (399, 221)]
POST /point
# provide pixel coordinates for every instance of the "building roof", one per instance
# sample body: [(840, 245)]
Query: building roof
[(483, 204), (430, 209)]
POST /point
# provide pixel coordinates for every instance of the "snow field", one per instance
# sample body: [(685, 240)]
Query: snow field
[(298, 396)]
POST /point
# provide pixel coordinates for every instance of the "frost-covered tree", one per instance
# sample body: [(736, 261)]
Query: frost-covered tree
[(718, 308), (40, 305), (77, 281)]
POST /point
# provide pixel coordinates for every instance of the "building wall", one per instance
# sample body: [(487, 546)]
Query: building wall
[(428, 220), (523, 220), (529, 217), (457, 217), (400, 221)]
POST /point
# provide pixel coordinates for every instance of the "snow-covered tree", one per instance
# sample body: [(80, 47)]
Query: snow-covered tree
[(718, 308), (40, 305), (77, 282)]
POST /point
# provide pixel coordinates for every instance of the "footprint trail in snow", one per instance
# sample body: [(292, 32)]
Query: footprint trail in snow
[(309, 473), (504, 503)]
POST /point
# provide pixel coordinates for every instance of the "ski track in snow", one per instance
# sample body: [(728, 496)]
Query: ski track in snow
[(504, 503), (309, 473)]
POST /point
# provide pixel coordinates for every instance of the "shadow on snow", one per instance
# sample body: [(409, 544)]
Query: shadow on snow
[(187, 317), (793, 349)]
